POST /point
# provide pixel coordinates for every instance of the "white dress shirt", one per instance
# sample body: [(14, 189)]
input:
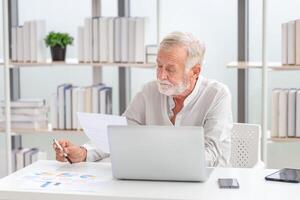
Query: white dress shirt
[(209, 106)]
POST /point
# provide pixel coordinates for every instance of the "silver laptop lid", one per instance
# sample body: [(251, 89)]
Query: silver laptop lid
[(157, 153)]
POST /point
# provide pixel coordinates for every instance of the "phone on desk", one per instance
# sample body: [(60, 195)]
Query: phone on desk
[(285, 175), (229, 183)]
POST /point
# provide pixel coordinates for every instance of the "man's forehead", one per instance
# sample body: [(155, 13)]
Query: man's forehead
[(171, 57)]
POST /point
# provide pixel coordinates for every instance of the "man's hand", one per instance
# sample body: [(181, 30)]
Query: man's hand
[(75, 153)]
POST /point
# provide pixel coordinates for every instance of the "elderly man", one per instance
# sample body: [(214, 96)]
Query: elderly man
[(179, 97)]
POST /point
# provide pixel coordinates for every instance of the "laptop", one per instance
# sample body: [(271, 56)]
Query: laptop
[(165, 153)]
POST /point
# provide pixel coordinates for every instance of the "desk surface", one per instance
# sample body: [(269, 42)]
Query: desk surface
[(252, 185)]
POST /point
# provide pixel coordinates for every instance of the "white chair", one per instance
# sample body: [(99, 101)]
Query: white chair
[(245, 146)]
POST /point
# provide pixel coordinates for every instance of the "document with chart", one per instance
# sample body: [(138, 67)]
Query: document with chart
[(95, 127), (64, 179)]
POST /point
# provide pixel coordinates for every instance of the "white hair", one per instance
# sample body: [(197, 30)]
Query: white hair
[(195, 48)]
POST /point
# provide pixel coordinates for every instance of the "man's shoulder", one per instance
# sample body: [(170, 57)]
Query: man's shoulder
[(215, 87), (150, 88)]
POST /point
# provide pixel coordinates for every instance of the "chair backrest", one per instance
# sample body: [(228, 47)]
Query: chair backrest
[(245, 145)]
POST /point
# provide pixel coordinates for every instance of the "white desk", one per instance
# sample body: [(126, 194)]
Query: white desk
[(252, 186)]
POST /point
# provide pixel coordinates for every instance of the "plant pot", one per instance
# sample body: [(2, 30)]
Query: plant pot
[(58, 53)]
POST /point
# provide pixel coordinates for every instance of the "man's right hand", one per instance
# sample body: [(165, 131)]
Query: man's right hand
[(75, 153)]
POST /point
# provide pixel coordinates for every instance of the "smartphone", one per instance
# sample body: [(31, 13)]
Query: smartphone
[(230, 183)]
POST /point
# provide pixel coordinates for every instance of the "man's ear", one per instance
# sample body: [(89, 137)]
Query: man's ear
[(196, 70)]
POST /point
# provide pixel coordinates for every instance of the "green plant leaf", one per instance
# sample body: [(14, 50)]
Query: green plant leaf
[(58, 39)]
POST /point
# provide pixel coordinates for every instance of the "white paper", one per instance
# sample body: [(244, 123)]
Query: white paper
[(95, 127), (62, 181)]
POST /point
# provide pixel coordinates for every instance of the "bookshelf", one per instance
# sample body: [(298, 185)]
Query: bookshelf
[(265, 68), (74, 62), (43, 132), (8, 65), (284, 139), (275, 66)]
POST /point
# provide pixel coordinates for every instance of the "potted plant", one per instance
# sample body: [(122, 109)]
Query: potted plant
[(58, 44)]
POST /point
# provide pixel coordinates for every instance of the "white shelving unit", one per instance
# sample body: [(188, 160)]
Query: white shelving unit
[(275, 66), (74, 62), (265, 67), (7, 64)]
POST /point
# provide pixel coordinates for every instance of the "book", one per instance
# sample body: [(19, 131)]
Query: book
[(88, 41), (42, 125), (88, 99), (151, 49), (28, 118), (103, 39), (39, 155), (27, 111), (291, 113), (282, 113), (27, 43), (33, 41), (275, 112), (297, 42), (298, 113), (61, 92), (96, 39), (69, 108), (14, 43), (110, 45), (284, 44), (20, 162), (74, 107), (23, 157), (131, 40), (25, 103), (140, 40), (20, 44), (80, 39), (27, 156), (124, 39), (81, 100), (40, 33), (104, 95), (117, 40), (95, 99), (291, 43), (151, 58)]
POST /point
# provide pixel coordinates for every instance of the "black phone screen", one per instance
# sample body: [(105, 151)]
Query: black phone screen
[(285, 175)]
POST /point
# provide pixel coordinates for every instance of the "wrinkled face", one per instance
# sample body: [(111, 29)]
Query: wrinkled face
[(172, 78)]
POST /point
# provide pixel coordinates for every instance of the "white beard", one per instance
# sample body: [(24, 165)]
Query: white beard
[(167, 88)]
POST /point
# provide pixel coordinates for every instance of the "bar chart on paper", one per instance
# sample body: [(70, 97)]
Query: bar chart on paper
[(61, 180)]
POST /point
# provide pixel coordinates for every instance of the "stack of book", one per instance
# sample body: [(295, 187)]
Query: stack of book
[(25, 156), (151, 53), (69, 99), (286, 113), (112, 39), (28, 42), (26, 114)]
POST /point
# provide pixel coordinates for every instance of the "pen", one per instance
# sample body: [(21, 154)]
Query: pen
[(60, 147)]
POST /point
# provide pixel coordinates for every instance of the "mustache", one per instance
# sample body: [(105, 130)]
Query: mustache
[(164, 82)]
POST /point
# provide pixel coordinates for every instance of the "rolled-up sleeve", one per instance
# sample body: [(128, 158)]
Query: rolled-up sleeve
[(94, 154), (217, 129)]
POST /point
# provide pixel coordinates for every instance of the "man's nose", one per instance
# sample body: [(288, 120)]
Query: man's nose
[(162, 75)]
